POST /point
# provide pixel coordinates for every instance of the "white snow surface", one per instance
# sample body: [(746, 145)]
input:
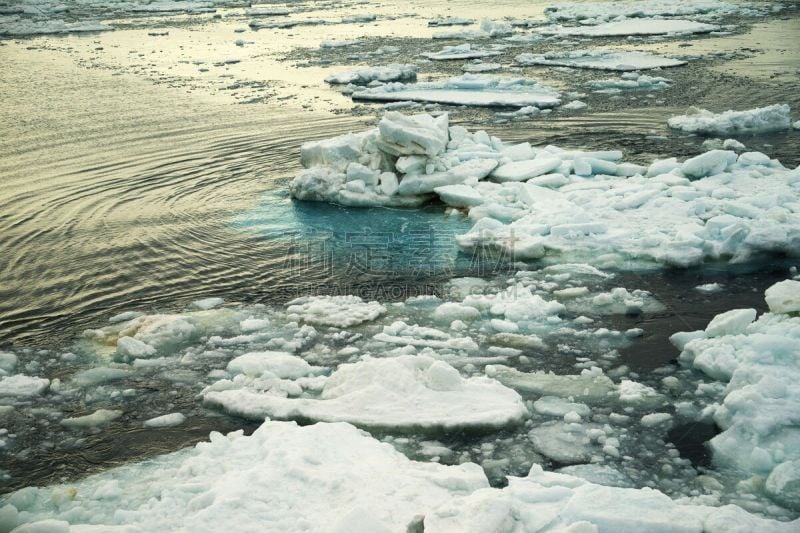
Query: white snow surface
[(760, 120), (600, 59)]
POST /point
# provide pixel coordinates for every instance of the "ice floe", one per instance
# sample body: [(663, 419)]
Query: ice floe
[(629, 81), (600, 60), (461, 51), (488, 29), (404, 391), (634, 26), (763, 119), (468, 89), (596, 12), (364, 76)]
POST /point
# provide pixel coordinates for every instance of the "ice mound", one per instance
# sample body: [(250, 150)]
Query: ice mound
[(549, 501), (760, 413), (338, 311), (600, 60), (760, 120), (552, 203), (365, 76), (468, 89), (22, 386), (634, 26), (450, 21), (405, 391), (283, 477), (262, 11)]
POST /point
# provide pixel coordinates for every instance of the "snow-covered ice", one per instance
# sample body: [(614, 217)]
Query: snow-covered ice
[(597, 12), (600, 59), (629, 81), (760, 120)]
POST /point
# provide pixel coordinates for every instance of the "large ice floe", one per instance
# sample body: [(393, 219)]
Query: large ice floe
[(632, 26), (597, 12), (550, 203), (760, 120), (760, 408), (600, 59), (333, 477), (468, 89), (460, 51)]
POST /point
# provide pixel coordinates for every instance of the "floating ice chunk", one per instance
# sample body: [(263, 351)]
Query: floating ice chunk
[(96, 376), (630, 81), (461, 51), (450, 21), (22, 386), (319, 477), (783, 484), (279, 364), (576, 104), (16, 27), (759, 120), (99, 418), (359, 18), (564, 442), (487, 30), (459, 195), (165, 421), (708, 164), (8, 362), (632, 392), (468, 89), (730, 323), (404, 391), (709, 288), (124, 317), (449, 311), (590, 385), (413, 135), (207, 303), (338, 311), (364, 76), (784, 297), (475, 169), (600, 59), (656, 420), (129, 348), (637, 26), (549, 501), (796, 125), (555, 406), (524, 170)]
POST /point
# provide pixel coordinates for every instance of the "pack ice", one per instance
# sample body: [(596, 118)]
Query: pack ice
[(634, 26), (760, 411), (335, 477), (597, 12), (599, 59), (550, 203), (760, 120)]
